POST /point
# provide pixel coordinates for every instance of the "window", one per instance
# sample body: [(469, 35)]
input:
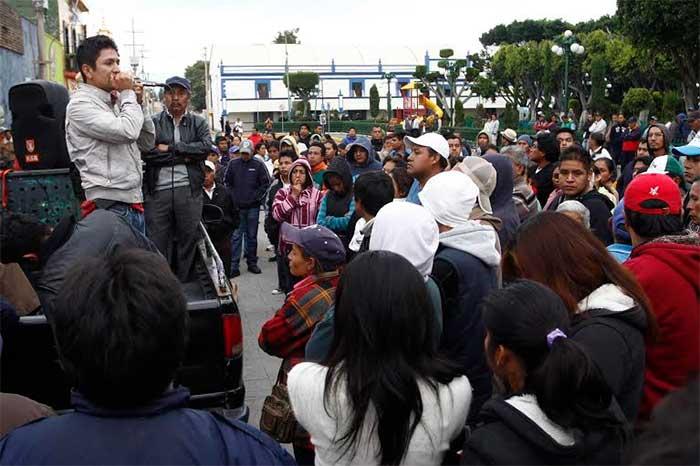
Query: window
[(357, 87), (262, 89)]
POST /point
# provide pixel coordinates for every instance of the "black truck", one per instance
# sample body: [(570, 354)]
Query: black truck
[(213, 366)]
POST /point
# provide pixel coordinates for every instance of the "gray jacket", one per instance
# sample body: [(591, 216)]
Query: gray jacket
[(104, 143)]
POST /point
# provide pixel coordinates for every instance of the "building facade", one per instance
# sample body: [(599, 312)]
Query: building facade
[(248, 83)]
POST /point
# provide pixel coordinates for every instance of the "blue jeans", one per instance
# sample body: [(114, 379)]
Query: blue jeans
[(131, 215), (247, 227)]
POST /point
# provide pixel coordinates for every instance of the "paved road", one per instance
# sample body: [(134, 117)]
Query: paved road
[(257, 305)]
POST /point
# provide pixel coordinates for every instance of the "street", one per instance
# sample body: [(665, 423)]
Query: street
[(257, 304)]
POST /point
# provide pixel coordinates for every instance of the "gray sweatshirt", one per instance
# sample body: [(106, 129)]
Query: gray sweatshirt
[(105, 143)]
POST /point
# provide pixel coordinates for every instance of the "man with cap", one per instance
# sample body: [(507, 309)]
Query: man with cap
[(508, 136), (566, 137), (174, 177), (106, 128), (247, 180), (429, 156), (219, 230), (668, 165), (665, 262), (691, 166), (694, 123), (466, 267)]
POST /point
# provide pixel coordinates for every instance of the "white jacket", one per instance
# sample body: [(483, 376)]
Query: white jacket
[(105, 143)]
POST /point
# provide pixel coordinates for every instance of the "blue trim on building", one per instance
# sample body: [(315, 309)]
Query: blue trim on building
[(262, 81)]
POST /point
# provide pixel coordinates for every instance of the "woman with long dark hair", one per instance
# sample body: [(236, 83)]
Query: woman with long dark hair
[(554, 408), (611, 315), (383, 395)]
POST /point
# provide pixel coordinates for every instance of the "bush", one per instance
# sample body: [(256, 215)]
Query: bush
[(672, 105), (637, 99)]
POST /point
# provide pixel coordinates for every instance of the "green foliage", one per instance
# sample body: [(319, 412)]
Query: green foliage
[(302, 84), (510, 116), (446, 53), (287, 37), (598, 102), (670, 26), (672, 105), (524, 31), (637, 99), (459, 112), (574, 104), (195, 74), (373, 101)]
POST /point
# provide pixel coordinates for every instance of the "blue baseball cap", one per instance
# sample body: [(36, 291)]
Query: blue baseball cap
[(179, 81), (692, 149), (318, 242)]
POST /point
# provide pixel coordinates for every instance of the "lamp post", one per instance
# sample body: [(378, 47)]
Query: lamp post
[(39, 7), (340, 105), (388, 77), (566, 45)]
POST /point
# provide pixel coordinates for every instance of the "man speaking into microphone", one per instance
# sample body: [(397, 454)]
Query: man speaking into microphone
[(105, 131), (174, 177)]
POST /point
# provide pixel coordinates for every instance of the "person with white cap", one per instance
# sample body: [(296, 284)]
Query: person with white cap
[(429, 156), (466, 267), (215, 194), (508, 136)]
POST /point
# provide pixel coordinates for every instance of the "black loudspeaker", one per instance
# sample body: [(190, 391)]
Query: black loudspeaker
[(38, 124)]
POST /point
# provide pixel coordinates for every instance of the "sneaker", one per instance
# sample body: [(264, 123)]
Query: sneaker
[(253, 268), (277, 291), (235, 273)]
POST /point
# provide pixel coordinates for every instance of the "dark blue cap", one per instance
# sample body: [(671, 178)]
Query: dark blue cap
[(318, 242), (179, 81)]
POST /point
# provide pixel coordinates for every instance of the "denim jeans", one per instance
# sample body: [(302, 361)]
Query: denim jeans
[(248, 228), (131, 215)]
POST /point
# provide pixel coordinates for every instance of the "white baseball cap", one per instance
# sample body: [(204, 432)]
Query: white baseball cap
[(433, 141), (210, 165)]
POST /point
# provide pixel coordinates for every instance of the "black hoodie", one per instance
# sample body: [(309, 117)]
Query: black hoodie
[(611, 327), (338, 205), (600, 208), (507, 436)]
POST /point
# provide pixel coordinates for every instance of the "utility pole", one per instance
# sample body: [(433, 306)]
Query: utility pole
[(134, 59), (210, 118), (286, 72), (39, 7)]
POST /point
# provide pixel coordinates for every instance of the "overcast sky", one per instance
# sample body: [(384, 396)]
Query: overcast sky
[(175, 32)]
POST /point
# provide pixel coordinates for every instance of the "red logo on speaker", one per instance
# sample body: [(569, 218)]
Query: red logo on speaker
[(31, 158), (29, 144)]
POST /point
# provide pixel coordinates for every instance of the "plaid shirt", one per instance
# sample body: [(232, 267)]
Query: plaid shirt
[(285, 335)]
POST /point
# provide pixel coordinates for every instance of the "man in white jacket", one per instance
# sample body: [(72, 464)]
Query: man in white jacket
[(599, 125), (106, 131)]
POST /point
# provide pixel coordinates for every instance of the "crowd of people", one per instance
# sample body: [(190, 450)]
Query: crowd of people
[(533, 303)]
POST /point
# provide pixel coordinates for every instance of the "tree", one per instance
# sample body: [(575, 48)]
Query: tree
[(302, 84), (445, 84), (374, 101), (527, 74), (671, 27), (287, 37), (636, 100), (195, 74), (524, 31), (459, 112)]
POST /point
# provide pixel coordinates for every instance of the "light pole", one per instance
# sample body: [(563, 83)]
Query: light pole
[(388, 77), (39, 7), (566, 45)]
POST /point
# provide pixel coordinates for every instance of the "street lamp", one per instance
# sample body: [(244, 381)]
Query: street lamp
[(340, 105), (567, 45), (388, 77)]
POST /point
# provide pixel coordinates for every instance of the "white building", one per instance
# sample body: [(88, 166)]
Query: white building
[(247, 82)]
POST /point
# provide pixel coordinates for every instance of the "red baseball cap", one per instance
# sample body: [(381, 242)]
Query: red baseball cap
[(653, 186)]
